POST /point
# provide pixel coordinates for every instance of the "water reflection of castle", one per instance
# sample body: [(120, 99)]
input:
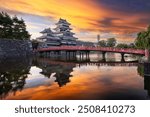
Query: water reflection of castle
[(63, 68), (62, 72)]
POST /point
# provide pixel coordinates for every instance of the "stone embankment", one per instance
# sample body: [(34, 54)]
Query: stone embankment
[(15, 48)]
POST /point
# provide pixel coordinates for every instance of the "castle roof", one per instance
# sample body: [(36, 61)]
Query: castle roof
[(47, 30), (61, 34), (63, 21)]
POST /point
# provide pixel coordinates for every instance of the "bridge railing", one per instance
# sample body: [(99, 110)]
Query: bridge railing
[(110, 49), (91, 48)]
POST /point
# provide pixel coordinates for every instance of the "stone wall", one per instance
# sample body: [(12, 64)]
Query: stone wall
[(14, 48)]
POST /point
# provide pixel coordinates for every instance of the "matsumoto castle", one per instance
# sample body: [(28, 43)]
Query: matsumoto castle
[(61, 35)]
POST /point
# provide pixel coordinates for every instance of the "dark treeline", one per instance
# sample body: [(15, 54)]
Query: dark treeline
[(124, 45), (12, 27), (111, 42), (141, 42)]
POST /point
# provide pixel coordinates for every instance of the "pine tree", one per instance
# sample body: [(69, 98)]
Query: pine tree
[(12, 28), (5, 25), (15, 28), (20, 29)]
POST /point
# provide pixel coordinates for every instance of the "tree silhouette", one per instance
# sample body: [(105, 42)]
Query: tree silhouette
[(6, 24), (111, 42), (12, 28), (143, 39)]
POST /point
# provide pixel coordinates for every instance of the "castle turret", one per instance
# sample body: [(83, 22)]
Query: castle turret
[(63, 31), (61, 35), (48, 38)]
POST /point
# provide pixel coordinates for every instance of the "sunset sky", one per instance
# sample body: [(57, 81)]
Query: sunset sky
[(121, 19)]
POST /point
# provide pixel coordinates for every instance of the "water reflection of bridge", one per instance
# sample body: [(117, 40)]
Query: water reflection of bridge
[(88, 62), (61, 72)]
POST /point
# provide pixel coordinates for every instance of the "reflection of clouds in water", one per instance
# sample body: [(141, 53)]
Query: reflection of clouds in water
[(90, 83), (34, 73), (87, 82), (106, 81), (36, 79)]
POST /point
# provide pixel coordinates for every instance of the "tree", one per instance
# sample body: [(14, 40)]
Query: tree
[(5, 25), (122, 45), (12, 28), (140, 70), (131, 45), (143, 39), (35, 44), (16, 29), (111, 42), (102, 43), (20, 29)]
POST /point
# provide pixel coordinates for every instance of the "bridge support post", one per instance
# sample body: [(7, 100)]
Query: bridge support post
[(74, 54), (122, 57), (147, 55), (69, 54), (103, 55), (41, 54), (59, 53), (82, 55), (49, 53), (46, 54), (88, 54), (66, 54)]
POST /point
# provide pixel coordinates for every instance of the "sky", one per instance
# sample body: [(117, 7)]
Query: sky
[(120, 19)]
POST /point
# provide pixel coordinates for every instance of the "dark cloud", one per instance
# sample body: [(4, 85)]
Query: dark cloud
[(143, 21), (129, 6), (107, 22), (107, 25)]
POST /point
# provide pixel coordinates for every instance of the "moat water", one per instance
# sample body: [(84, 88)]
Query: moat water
[(73, 78)]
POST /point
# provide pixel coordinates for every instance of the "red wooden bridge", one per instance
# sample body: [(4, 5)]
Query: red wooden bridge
[(87, 48)]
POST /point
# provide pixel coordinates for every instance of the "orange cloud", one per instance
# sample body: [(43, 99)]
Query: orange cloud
[(85, 15)]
